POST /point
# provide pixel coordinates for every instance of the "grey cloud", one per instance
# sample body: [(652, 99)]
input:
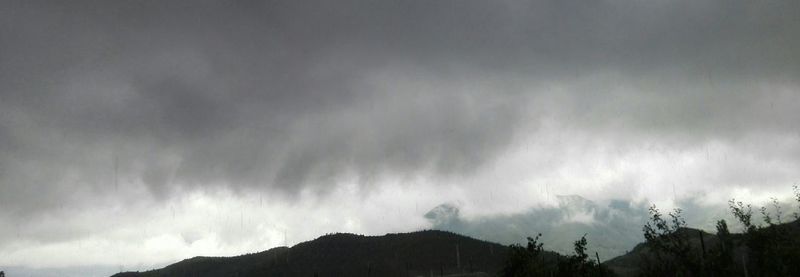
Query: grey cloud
[(68, 271), (611, 228), (293, 95)]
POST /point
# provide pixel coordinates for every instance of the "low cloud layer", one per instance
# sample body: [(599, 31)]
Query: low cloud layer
[(141, 103), (612, 227)]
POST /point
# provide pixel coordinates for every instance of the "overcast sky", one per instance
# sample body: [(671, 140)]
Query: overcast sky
[(138, 133)]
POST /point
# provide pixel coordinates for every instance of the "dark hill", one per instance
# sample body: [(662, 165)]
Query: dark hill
[(630, 264), (406, 254), (633, 262)]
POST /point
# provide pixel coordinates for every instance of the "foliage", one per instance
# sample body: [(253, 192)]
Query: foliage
[(768, 248), (529, 261), (774, 249), (669, 242), (525, 261), (743, 213), (580, 264), (796, 197)]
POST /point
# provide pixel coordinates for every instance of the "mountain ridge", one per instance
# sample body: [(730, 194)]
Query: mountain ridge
[(345, 254)]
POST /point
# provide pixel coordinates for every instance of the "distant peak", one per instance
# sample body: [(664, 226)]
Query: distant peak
[(443, 214)]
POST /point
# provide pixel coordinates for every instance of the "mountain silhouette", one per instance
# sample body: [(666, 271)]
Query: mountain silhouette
[(406, 254)]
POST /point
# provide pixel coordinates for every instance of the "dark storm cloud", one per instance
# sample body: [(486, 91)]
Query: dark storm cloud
[(300, 94)]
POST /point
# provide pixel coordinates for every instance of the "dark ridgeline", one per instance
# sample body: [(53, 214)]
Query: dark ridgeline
[(771, 251), (672, 249), (408, 254)]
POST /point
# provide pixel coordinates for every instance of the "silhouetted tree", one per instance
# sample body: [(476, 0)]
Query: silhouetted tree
[(718, 260), (524, 261), (773, 249), (579, 264), (669, 243), (530, 261)]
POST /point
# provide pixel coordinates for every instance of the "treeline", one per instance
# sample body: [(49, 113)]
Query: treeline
[(770, 248), (529, 261)]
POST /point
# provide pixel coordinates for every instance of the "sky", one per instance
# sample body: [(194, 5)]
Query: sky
[(134, 134)]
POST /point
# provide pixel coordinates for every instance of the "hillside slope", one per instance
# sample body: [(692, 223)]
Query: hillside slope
[(635, 262), (632, 262), (406, 254)]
